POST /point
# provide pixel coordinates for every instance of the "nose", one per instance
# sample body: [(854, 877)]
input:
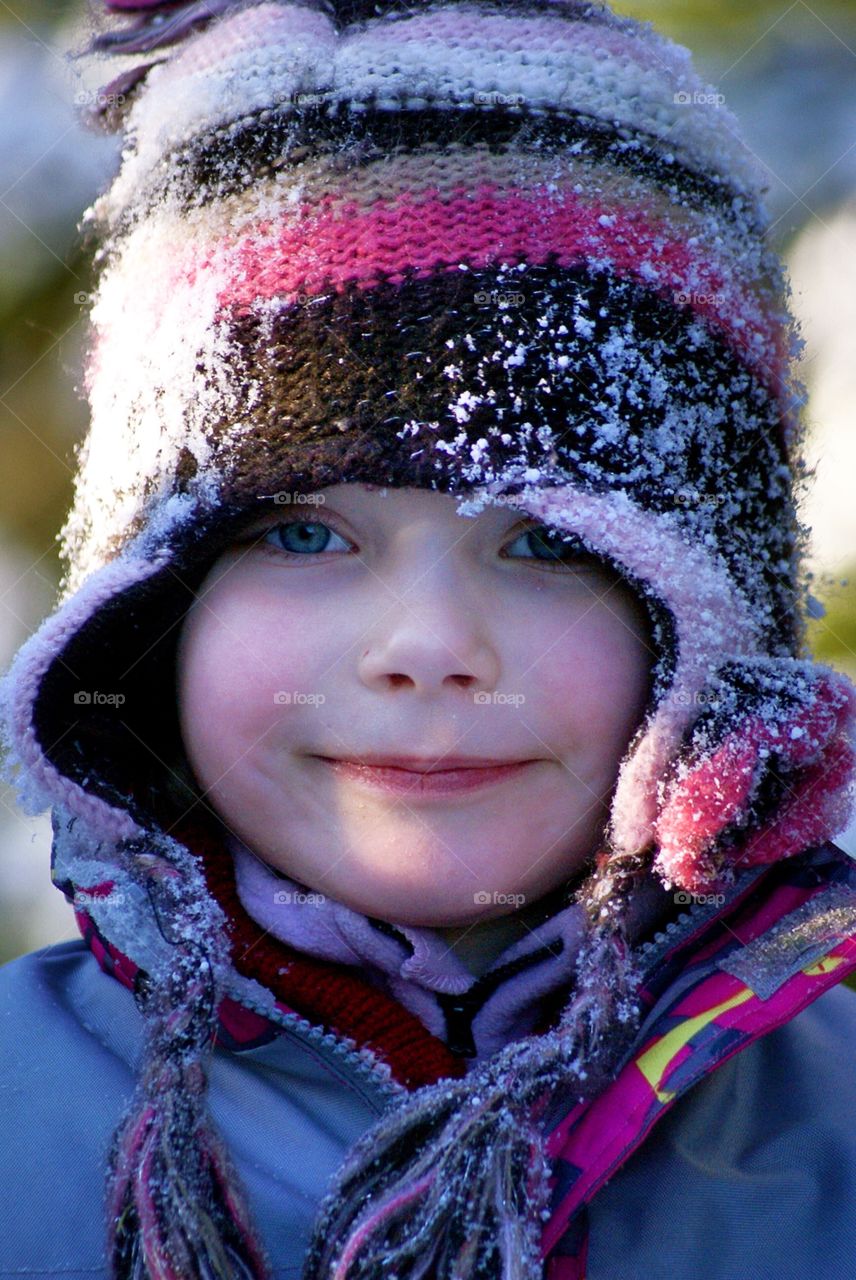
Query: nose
[(429, 640)]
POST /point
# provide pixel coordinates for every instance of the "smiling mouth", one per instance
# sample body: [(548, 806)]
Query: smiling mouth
[(427, 779)]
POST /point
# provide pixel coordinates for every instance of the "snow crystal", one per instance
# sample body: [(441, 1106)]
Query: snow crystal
[(463, 406)]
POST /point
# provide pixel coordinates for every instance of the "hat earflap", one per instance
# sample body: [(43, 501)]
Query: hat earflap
[(766, 771)]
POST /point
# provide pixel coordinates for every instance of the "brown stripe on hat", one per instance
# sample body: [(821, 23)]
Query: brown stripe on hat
[(421, 383)]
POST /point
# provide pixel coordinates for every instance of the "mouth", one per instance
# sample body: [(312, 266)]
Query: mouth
[(410, 775)]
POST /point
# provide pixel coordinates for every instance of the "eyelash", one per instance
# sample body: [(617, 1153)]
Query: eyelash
[(259, 539)]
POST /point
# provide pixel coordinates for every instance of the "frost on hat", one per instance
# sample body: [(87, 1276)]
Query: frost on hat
[(491, 249), (501, 250)]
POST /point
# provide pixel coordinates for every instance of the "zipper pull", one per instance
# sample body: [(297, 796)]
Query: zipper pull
[(459, 1012)]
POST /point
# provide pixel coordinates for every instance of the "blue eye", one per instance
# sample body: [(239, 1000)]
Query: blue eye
[(302, 537), (542, 543), (545, 543)]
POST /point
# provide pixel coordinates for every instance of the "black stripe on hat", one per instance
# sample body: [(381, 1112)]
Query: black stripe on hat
[(230, 159)]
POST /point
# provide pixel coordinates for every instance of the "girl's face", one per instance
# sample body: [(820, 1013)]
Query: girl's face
[(383, 623)]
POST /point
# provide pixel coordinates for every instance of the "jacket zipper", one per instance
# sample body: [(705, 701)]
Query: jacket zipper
[(363, 1062), (650, 953)]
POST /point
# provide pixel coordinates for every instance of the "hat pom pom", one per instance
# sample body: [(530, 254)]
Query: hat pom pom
[(155, 24), (764, 783)]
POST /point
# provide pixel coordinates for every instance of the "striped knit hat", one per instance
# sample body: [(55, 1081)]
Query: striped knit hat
[(507, 249)]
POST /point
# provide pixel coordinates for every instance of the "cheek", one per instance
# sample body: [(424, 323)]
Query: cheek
[(594, 679), (238, 654)]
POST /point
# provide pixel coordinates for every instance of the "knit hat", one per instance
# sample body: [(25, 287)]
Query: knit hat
[(511, 251)]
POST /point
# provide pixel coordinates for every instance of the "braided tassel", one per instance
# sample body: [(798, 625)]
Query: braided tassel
[(175, 1211), (454, 1183), (450, 1185)]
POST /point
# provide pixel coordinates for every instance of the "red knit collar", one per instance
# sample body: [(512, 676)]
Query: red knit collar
[(327, 994)]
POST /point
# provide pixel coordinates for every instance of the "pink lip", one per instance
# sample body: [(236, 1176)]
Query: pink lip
[(427, 779)]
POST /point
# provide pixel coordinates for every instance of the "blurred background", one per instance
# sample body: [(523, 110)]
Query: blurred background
[(788, 70)]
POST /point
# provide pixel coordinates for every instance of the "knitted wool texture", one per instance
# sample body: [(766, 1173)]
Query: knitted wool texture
[(511, 251)]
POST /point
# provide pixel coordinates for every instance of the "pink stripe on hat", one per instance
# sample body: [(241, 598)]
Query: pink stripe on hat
[(336, 243)]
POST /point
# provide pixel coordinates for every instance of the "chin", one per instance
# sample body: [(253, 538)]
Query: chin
[(398, 907)]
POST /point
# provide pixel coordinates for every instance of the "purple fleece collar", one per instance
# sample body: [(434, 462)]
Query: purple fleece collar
[(322, 926)]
